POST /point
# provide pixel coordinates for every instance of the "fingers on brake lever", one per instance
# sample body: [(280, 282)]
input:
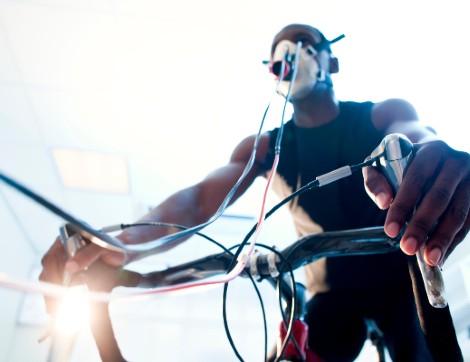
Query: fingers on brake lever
[(393, 156)]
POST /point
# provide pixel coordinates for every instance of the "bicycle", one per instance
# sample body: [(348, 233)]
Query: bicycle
[(272, 267), (436, 322)]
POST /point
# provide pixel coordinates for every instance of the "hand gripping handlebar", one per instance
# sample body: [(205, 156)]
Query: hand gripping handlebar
[(394, 154)]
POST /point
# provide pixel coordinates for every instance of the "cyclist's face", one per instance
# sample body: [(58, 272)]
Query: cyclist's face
[(312, 65)]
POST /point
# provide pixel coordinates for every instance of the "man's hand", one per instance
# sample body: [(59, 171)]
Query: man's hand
[(91, 258), (433, 199), (98, 268)]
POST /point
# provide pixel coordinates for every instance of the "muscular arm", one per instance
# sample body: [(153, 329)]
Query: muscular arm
[(399, 116), (198, 203), (191, 206), (434, 197)]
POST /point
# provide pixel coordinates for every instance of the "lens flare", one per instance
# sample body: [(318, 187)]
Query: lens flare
[(73, 311)]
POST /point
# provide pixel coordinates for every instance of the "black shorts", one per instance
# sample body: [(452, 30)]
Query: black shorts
[(337, 328)]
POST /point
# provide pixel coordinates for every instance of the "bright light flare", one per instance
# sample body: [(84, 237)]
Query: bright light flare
[(73, 312)]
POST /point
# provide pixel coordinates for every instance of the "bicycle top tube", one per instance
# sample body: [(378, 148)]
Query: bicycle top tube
[(309, 248)]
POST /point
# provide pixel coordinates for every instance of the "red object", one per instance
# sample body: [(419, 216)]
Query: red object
[(276, 69), (300, 334)]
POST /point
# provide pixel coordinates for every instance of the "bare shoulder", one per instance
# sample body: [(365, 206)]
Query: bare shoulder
[(245, 148), (392, 110)]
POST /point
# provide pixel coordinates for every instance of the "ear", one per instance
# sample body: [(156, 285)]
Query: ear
[(334, 64)]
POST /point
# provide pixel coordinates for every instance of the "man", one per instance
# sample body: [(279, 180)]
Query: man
[(325, 134)]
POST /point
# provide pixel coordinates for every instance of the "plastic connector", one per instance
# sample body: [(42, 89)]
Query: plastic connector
[(333, 176), (273, 271), (254, 267)]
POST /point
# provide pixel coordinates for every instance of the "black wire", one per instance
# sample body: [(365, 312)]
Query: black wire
[(289, 326), (225, 319), (224, 299), (294, 301), (311, 185), (293, 309), (268, 214), (68, 217), (293, 306), (48, 205), (368, 162), (176, 226)]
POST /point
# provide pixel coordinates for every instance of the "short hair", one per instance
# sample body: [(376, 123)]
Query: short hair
[(323, 44)]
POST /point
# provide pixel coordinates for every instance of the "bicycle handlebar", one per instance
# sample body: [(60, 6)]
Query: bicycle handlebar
[(436, 323), (305, 250), (393, 155)]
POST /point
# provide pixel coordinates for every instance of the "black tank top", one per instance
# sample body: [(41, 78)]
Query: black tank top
[(310, 152)]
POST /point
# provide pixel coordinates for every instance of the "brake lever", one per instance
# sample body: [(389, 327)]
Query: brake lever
[(72, 242), (73, 239), (394, 154)]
